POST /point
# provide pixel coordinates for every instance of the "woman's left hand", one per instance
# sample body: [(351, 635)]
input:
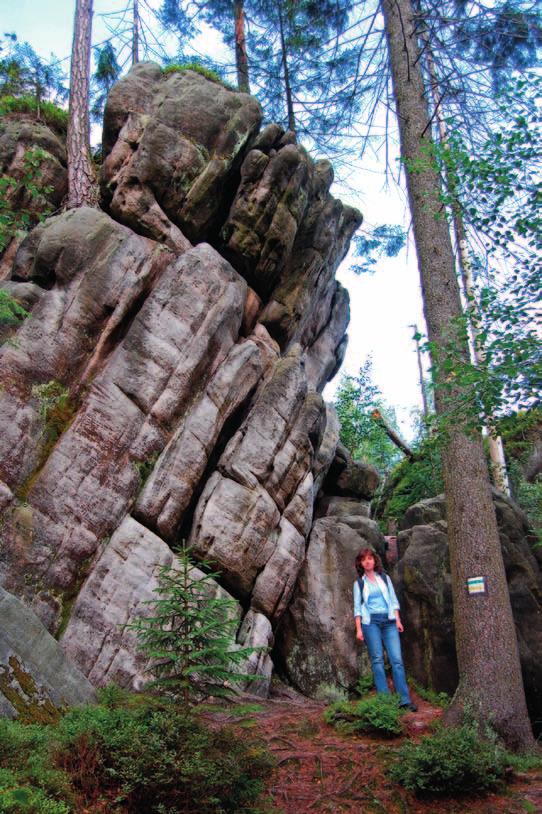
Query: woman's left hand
[(399, 624)]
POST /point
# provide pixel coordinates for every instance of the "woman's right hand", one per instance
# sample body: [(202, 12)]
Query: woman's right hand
[(359, 635)]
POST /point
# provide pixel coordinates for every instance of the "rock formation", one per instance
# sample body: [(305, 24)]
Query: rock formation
[(37, 679), (166, 385), (422, 579), (21, 140)]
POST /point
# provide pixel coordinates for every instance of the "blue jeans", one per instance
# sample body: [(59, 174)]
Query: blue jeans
[(382, 632)]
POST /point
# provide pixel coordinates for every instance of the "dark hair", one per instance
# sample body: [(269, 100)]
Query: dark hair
[(362, 554)]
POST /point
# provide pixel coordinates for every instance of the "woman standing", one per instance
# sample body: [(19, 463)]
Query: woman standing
[(376, 611)]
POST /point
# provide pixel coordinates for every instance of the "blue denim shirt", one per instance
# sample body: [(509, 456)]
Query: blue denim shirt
[(388, 591)]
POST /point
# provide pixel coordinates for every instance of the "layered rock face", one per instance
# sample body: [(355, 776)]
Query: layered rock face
[(316, 645), (422, 579), (166, 385), (37, 680)]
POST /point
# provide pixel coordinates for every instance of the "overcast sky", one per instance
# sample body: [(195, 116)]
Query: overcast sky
[(384, 306)]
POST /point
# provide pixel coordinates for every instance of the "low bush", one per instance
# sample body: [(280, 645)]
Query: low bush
[(365, 684), (376, 715), (47, 112), (197, 67), (136, 754), (452, 761)]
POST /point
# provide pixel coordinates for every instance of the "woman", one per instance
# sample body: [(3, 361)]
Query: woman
[(376, 611)]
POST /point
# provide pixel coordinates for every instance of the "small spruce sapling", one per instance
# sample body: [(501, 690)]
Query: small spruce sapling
[(189, 637)]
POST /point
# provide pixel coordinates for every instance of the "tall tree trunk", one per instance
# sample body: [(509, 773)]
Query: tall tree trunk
[(490, 683), (81, 176), (420, 372), (241, 59), (287, 86), (496, 449), (135, 33)]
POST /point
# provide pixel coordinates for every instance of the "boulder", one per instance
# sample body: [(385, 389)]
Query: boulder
[(37, 680), (422, 578), (349, 478), (22, 138), (173, 143), (316, 647)]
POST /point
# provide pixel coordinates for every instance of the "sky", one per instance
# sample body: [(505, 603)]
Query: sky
[(383, 305)]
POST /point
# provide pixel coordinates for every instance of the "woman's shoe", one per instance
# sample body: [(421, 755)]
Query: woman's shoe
[(412, 707)]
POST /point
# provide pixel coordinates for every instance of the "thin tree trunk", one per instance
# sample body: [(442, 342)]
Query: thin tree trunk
[(490, 682), (241, 59), (135, 33), (287, 87), (420, 372), (394, 437), (81, 176), (496, 449)]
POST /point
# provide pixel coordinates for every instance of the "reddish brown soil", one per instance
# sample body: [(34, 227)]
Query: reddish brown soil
[(320, 770)]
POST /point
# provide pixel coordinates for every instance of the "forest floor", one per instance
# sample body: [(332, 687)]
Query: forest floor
[(321, 770)]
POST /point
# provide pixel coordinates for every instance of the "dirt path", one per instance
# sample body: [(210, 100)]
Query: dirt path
[(320, 770)]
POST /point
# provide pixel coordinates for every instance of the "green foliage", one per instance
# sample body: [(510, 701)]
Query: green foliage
[(436, 699), (452, 761), (364, 685), (24, 73), (386, 240), (356, 400), (28, 781), (198, 67), (412, 481), (47, 112), (520, 432), (189, 636), (145, 755), (52, 396), (23, 201), (144, 468), (106, 73), (499, 191), (377, 715), (11, 313)]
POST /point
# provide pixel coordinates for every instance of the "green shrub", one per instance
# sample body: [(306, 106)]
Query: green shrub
[(377, 715), (208, 73), (410, 482), (47, 112), (156, 758), (436, 699), (11, 312), (142, 752), (452, 761), (365, 684)]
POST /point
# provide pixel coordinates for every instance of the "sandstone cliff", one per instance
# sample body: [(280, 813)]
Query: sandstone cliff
[(167, 383)]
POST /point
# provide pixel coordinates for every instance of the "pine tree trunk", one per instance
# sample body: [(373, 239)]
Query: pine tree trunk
[(490, 682), (135, 33), (287, 86), (241, 59), (81, 177)]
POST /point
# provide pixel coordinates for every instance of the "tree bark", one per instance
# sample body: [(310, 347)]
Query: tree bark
[(81, 176), (241, 59), (490, 682), (135, 33), (287, 86)]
